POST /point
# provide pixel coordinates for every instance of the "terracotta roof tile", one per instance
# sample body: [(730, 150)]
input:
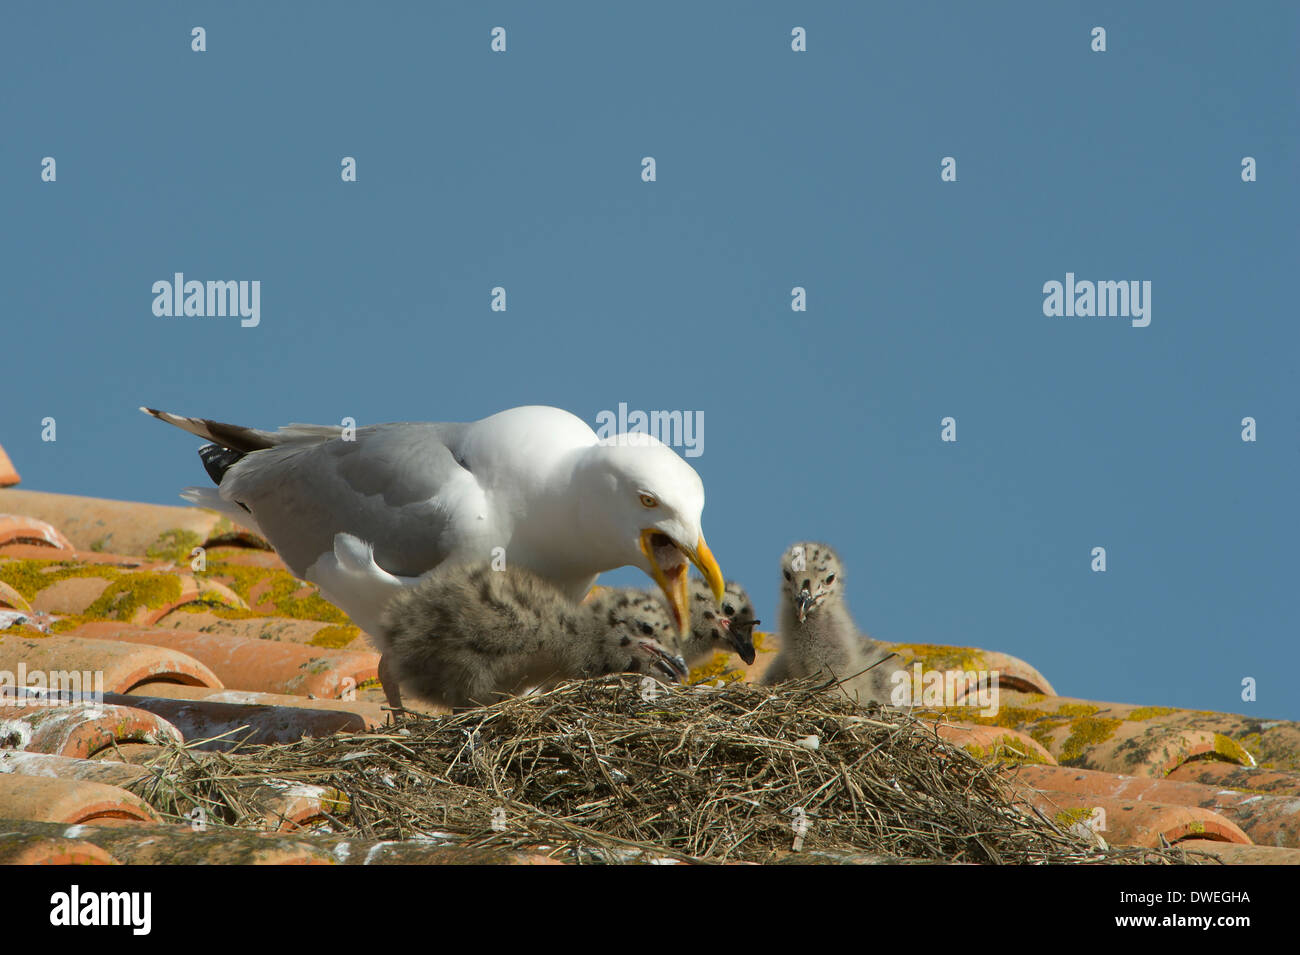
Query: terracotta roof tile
[(241, 723), (1132, 822), (31, 849), (18, 529), (8, 476), (993, 743), (250, 664), (1140, 740), (371, 714), (1268, 820), (54, 799), (1246, 778), (120, 665), (78, 730)]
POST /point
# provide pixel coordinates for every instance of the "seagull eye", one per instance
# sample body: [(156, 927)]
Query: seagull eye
[(787, 576), (649, 500), (830, 578)]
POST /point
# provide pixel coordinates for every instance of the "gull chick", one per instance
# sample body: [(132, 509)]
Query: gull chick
[(726, 625), (818, 635), (467, 635)]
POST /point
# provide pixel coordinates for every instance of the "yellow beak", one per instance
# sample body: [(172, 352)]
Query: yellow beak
[(672, 581)]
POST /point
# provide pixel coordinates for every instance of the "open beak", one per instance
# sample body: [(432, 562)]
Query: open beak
[(669, 563), (671, 667)]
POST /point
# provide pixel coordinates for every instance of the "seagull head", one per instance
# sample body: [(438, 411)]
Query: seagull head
[(811, 575), (642, 498)]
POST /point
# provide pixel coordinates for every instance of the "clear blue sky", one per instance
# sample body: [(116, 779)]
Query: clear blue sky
[(775, 169)]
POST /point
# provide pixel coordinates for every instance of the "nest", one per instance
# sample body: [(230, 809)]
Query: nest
[(621, 769)]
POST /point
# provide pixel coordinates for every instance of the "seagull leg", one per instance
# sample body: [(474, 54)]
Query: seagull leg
[(389, 682)]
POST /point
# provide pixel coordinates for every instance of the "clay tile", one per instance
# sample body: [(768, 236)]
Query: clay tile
[(18, 848), (373, 714), (12, 599), (1115, 737), (123, 527), (70, 767), (1014, 674), (1233, 854), (995, 744), (47, 799), (18, 529), (8, 476), (1212, 772), (79, 729), (1270, 820), (225, 725), (268, 666), (315, 633), (1135, 823), (184, 845), (88, 665)]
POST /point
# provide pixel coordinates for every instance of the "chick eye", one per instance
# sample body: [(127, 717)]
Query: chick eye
[(830, 578), (647, 629), (649, 500), (728, 609), (787, 576)]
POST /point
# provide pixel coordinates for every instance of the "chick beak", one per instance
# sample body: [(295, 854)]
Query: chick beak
[(802, 603), (741, 639), (671, 666)]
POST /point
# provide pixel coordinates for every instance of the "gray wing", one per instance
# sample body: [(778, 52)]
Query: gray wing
[(396, 486)]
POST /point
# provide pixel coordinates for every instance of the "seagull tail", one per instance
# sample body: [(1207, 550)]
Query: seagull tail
[(232, 436)]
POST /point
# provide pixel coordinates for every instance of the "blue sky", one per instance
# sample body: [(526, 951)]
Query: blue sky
[(775, 169)]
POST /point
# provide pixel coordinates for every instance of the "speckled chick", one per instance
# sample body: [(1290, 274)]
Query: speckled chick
[(818, 635), (467, 635), (729, 626)]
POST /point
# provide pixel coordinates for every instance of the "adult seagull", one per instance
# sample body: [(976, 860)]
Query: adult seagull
[(365, 512)]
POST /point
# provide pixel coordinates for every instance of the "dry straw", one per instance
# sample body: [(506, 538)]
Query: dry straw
[(620, 769)]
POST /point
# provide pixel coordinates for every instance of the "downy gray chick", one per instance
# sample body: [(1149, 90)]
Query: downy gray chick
[(818, 635), (727, 627), (468, 635)]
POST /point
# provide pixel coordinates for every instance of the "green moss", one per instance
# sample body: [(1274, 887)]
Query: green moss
[(938, 657), (218, 609), (1229, 749), (1150, 713), (1005, 749), (335, 637), (1085, 732), (174, 545), (99, 545), (130, 592), (1069, 818), (281, 593), (1075, 710), (30, 577)]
